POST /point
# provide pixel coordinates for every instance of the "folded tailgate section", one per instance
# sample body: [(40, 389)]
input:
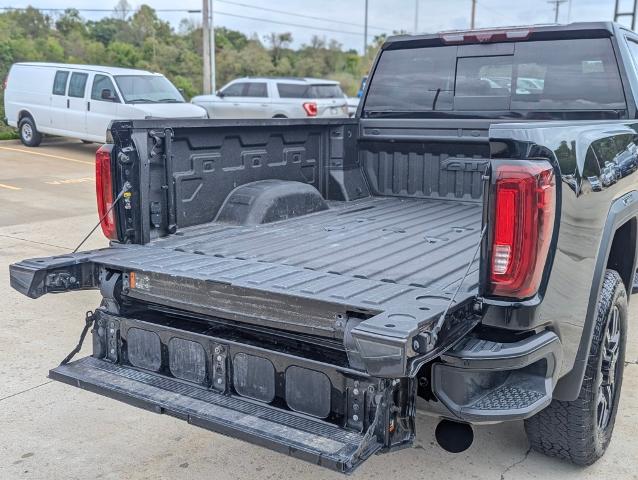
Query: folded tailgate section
[(327, 414), (305, 438)]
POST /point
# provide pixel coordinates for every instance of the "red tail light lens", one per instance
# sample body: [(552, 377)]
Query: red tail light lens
[(310, 108), (523, 222), (104, 191)]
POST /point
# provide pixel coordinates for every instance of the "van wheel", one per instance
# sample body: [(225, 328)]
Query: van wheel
[(280, 116), (29, 135), (579, 431)]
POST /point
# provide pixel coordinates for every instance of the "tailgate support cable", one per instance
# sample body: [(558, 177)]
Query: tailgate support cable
[(125, 188), (433, 334), (88, 319)]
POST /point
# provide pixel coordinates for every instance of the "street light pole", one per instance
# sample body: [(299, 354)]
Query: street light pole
[(416, 16)]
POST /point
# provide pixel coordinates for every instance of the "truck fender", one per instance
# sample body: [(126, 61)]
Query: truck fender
[(621, 211)]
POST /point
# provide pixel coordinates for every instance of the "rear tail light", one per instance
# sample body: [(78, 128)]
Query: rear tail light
[(5, 83), (104, 191), (523, 221), (310, 108)]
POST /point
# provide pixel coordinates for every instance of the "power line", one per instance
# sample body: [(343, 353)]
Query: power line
[(323, 19), (217, 12), (311, 27), (96, 10)]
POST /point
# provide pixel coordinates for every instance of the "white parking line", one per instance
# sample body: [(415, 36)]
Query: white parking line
[(59, 157), (71, 181)]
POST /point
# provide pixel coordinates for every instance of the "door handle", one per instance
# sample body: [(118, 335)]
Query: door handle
[(68, 103), (264, 104), (88, 106)]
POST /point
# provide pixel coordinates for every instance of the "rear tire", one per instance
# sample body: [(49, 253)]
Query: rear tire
[(580, 431), (29, 135)]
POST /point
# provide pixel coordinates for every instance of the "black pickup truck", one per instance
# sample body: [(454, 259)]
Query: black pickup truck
[(465, 246)]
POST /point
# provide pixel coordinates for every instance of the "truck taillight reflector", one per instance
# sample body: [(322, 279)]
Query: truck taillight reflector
[(104, 191), (523, 222)]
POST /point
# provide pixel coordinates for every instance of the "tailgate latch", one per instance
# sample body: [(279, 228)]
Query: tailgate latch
[(60, 281)]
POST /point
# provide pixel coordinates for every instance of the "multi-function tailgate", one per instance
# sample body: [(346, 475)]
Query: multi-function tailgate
[(387, 329), (324, 374)]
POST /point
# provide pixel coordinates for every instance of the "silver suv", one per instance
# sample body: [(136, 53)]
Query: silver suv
[(276, 98)]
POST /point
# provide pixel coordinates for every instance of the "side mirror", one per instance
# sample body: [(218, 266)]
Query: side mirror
[(107, 94), (220, 94)]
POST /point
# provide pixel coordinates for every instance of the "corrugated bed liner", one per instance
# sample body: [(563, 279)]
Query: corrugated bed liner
[(418, 242)]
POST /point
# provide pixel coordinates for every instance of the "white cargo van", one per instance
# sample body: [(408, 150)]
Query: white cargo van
[(79, 101)]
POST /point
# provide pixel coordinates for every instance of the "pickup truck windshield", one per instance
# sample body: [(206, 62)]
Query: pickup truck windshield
[(147, 89), (557, 75)]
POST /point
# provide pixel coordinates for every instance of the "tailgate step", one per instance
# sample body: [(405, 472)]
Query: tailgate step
[(287, 432)]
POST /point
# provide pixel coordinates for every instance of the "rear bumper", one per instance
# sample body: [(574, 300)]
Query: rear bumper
[(480, 381)]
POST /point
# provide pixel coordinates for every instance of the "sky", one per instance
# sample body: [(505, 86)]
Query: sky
[(344, 18)]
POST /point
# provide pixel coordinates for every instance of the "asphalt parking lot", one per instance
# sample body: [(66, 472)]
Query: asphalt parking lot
[(52, 431)]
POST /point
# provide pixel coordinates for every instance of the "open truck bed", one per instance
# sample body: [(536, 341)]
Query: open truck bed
[(391, 264)]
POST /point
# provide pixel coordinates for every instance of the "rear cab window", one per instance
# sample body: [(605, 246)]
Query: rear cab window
[(77, 84), (550, 75), (59, 82)]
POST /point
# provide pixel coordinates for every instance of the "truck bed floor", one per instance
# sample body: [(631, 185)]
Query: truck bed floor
[(418, 242)]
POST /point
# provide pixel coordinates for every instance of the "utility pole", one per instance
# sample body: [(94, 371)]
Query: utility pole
[(213, 87), (206, 47), (632, 14), (557, 4), (473, 17), (365, 30), (416, 16)]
